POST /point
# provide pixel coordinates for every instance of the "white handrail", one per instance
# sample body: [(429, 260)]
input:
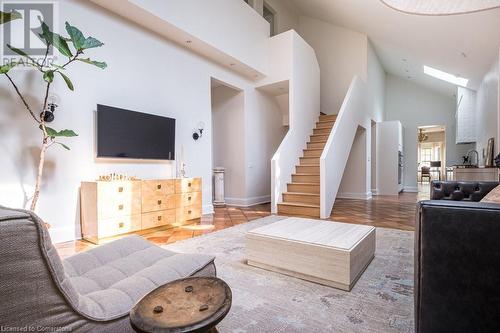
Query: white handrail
[(334, 158)]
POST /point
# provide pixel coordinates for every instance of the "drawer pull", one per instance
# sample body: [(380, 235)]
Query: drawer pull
[(158, 186), (120, 189), (159, 202), (121, 225), (189, 184), (120, 207), (189, 212), (189, 198), (159, 218)]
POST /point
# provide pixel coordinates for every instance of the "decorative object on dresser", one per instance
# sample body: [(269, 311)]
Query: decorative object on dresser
[(111, 208), (329, 253)]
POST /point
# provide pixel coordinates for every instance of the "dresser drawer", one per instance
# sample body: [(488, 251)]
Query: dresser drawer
[(188, 199), (154, 188), (158, 219), (188, 213), (184, 185), (118, 199), (155, 203), (118, 225)]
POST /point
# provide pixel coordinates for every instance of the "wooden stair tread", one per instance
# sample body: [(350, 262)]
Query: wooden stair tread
[(302, 193), (298, 204), (312, 184), (313, 149), (305, 174)]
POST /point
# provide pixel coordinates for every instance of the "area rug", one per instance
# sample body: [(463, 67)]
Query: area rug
[(263, 301)]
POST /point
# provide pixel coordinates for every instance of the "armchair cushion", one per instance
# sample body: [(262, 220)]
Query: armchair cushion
[(108, 280)]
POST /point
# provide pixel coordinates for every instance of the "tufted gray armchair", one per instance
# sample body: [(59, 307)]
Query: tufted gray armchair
[(89, 292)]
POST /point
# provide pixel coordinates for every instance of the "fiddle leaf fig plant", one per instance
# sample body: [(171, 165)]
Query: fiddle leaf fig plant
[(73, 50)]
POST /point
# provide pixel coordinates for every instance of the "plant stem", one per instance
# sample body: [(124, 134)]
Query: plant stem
[(36, 195), (22, 98)]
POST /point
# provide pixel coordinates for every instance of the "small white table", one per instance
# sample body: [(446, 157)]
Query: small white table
[(330, 253)]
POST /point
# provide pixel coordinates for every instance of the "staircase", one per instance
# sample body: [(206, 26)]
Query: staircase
[(302, 196)]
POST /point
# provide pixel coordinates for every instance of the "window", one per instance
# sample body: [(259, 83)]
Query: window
[(270, 16)]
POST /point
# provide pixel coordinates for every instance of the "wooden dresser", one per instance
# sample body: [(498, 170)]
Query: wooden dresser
[(118, 207)]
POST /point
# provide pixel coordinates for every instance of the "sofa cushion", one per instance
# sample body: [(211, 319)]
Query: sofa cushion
[(110, 279), (493, 196)]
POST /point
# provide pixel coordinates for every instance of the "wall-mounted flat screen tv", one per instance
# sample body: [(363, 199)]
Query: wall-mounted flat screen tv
[(134, 135)]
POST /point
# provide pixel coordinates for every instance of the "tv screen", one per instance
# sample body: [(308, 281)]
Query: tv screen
[(129, 134)]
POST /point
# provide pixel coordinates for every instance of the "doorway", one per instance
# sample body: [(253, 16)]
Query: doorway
[(431, 155), (228, 144)]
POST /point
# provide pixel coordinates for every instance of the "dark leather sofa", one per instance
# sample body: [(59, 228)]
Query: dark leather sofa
[(457, 260)]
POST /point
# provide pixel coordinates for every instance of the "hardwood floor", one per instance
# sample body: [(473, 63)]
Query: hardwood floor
[(382, 211)]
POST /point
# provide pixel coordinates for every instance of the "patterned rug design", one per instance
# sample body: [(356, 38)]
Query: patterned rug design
[(263, 301)]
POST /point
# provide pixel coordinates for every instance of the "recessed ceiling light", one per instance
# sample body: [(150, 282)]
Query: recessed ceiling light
[(459, 81)]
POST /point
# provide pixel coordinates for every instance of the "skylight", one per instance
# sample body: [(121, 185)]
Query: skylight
[(441, 7), (459, 81)]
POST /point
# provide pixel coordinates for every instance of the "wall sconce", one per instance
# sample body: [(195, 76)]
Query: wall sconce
[(198, 133), (52, 104)]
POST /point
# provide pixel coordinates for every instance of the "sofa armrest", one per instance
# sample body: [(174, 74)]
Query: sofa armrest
[(457, 274)]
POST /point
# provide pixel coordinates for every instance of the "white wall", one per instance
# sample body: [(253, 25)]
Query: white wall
[(416, 106), (488, 111), (354, 179), (264, 132), (228, 140), (146, 73), (304, 106), (375, 85), (341, 54)]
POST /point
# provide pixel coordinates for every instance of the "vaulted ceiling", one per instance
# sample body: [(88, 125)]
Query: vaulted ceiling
[(464, 45)]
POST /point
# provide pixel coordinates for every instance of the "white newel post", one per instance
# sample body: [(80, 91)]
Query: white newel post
[(219, 187)]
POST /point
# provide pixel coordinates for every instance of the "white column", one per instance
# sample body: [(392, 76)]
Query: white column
[(219, 187)]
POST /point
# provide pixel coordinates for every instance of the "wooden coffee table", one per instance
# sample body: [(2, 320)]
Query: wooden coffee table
[(194, 304), (330, 253)]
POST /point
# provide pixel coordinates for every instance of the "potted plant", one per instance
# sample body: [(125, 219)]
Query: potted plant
[(73, 49)]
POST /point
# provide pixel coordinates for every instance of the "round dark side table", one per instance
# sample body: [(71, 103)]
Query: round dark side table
[(190, 305)]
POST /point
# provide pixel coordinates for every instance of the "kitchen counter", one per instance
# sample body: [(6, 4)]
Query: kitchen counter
[(467, 173)]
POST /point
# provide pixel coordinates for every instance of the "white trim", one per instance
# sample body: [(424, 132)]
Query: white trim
[(63, 234), (351, 195), (411, 189), (207, 209), (247, 202)]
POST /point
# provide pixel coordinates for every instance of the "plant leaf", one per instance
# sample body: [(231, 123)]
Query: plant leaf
[(7, 17), (63, 145), (91, 42), (48, 76), (7, 67), (18, 51), (64, 133), (55, 39), (68, 82), (76, 36), (100, 64)]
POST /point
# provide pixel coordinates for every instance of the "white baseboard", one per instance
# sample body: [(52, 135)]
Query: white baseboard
[(246, 202), (63, 234), (412, 189), (353, 195), (207, 209)]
